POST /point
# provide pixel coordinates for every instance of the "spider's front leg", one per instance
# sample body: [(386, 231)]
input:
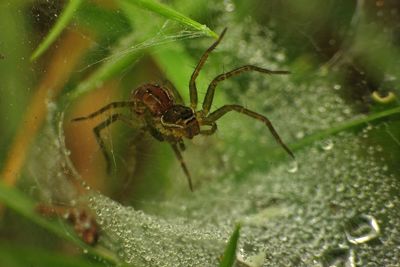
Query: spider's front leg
[(97, 132), (208, 99), (208, 131), (119, 104), (177, 149), (214, 116), (107, 122), (203, 59)]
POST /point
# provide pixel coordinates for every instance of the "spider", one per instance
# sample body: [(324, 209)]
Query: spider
[(161, 111), (81, 219)]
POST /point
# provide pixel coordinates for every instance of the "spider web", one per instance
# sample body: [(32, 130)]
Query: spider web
[(300, 215)]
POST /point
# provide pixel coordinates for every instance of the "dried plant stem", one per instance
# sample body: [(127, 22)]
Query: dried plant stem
[(71, 48)]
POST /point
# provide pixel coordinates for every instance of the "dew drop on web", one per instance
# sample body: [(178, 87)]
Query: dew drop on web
[(293, 167), (327, 144), (361, 229)]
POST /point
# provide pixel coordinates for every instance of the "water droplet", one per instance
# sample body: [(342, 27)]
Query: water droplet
[(293, 167), (389, 204), (229, 6), (340, 187), (300, 135), (327, 144), (280, 57), (362, 229), (337, 86)]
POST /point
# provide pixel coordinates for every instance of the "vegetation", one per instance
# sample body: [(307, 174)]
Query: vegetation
[(338, 111)]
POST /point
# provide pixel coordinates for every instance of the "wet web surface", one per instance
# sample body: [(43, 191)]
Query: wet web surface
[(337, 205)]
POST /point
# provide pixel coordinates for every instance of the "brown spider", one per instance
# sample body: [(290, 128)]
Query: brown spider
[(163, 115), (81, 219)]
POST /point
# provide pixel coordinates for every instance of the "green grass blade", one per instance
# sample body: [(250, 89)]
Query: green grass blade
[(121, 58), (172, 14), (61, 23), (104, 24), (230, 250), (23, 205), (105, 72), (22, 256), (124, 56), (342, 127)]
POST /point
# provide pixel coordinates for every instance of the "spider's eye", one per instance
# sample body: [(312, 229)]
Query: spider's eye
[(186, 114)]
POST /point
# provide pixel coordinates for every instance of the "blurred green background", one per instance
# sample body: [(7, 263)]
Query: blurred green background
[(107, 48)]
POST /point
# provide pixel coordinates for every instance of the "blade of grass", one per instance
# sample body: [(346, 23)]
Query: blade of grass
[(57, 74), (230, 251), (60, 25), (106, 24), (105, 72), (21, 204), (277, 153), (22, 256), (172, 14), (121, 58), (342, 127), (13, 66), (124, 56)]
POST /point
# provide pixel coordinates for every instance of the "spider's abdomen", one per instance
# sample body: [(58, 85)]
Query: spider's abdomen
[(153, 98)]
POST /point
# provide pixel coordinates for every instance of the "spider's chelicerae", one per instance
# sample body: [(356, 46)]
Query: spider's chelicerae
[(162, 113)]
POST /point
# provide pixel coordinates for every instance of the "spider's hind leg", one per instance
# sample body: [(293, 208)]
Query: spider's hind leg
[(227, 108), (209, 131), (183, 164)]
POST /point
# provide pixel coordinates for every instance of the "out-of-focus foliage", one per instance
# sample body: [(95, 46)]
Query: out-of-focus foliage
[(337, 204)]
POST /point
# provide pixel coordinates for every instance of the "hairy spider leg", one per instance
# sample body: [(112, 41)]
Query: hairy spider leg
[(183, 164), (112, 105), (214, 116), (208, 99), (209, 131), (97, 132), (181, 144), (192, 83)]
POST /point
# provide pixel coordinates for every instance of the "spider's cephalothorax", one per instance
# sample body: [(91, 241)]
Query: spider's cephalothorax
[(169, 121), (166, 118), (181, 120)]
